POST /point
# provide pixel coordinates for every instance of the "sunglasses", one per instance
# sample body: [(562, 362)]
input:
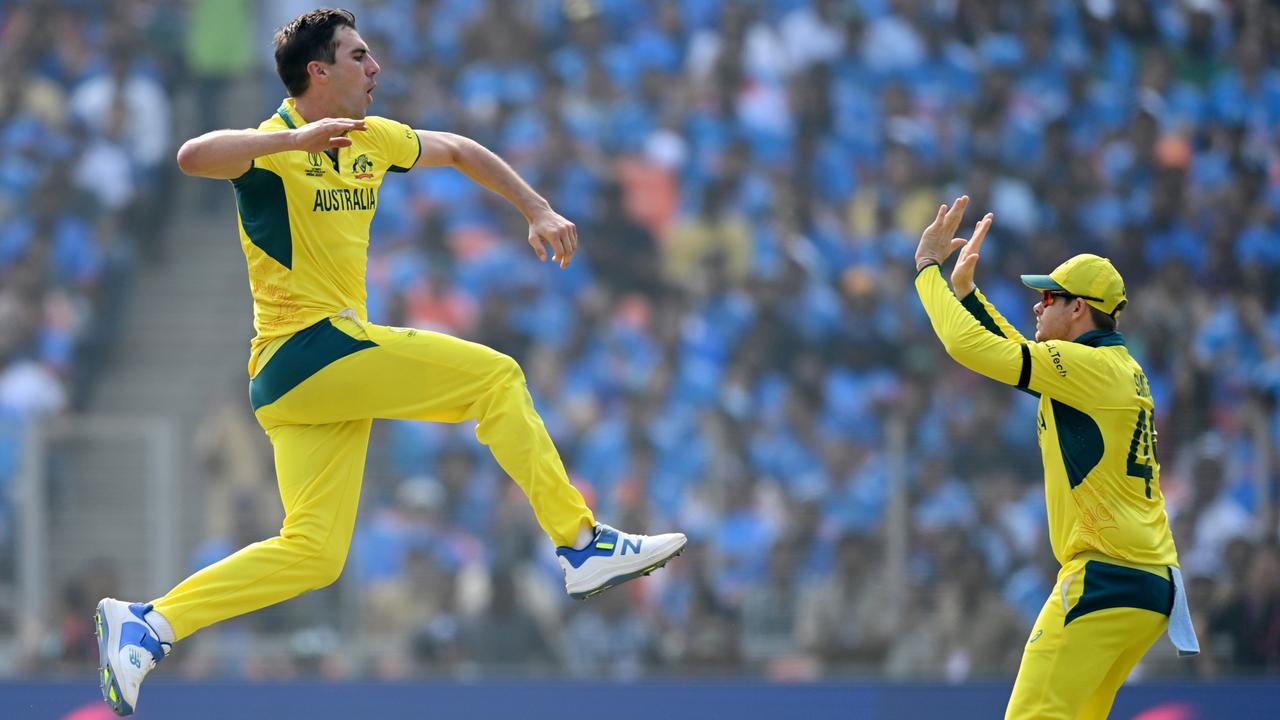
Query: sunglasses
[(1049, 295)]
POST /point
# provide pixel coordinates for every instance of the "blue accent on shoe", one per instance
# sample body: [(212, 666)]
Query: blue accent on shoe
[(605, 535), (141, 634), (140, 610)]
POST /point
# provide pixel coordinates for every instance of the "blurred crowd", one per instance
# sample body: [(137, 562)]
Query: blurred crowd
[(85, 147), (737, 352)]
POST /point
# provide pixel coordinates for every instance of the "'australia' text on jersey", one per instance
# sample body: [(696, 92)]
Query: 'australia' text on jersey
[(334, 199)]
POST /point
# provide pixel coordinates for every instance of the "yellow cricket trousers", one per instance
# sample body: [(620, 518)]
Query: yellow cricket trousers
[(1097, 624), (316, 396)]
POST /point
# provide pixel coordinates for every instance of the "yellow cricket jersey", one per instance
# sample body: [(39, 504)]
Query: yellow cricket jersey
[(1096, 425), (304, 223)]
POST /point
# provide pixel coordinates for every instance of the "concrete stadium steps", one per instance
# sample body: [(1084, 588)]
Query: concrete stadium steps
[(187, 332), (96, 514)]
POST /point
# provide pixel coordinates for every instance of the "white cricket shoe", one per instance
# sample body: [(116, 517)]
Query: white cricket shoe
[(127, 650), (614, 557)]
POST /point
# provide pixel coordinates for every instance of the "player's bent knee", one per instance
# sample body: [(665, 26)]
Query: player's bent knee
[(327, 572), (324, 568), (320, 563), (507, 371)]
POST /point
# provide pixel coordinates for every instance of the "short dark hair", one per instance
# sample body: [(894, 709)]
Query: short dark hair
[(310, 36), (1103, 321)]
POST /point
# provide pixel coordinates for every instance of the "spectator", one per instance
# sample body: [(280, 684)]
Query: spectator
[(1249, 620)]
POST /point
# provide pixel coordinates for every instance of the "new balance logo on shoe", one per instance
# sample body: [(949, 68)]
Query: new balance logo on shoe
[(633, 544)]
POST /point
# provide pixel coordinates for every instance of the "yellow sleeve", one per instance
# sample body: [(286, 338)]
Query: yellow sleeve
[(1059, 369), (398, 141), (964, 337), (982, 309)]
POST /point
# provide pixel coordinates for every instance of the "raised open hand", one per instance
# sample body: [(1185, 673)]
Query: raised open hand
[(962, 273), (937, 243)]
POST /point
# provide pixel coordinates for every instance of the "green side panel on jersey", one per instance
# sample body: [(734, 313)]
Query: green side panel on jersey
[(301, 356), (1080, 440), (264, 212), (1113, 586), (979, 311)]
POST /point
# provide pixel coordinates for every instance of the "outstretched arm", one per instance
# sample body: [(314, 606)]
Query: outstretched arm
[(971, 342), (228, 154), (970, 296), (964, 337), (1062, 370), (546, 226)]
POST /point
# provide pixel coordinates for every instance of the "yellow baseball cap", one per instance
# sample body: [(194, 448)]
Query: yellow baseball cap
[(1089, 277)]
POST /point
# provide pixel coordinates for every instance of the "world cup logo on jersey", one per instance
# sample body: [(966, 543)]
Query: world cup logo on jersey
[(362, 167), (315, 164)]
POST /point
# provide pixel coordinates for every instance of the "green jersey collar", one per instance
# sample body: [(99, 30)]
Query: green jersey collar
[(1101, 338), (289, 113)]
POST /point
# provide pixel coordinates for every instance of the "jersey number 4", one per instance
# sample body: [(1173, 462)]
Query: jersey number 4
[(1142, 450)]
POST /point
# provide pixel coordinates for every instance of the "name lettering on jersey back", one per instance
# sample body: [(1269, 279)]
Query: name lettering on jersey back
[(345, 199), (1141, 386), (1056, 357)]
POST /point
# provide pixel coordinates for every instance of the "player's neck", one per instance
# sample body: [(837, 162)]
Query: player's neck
[(312, 107), (1084, 325)]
